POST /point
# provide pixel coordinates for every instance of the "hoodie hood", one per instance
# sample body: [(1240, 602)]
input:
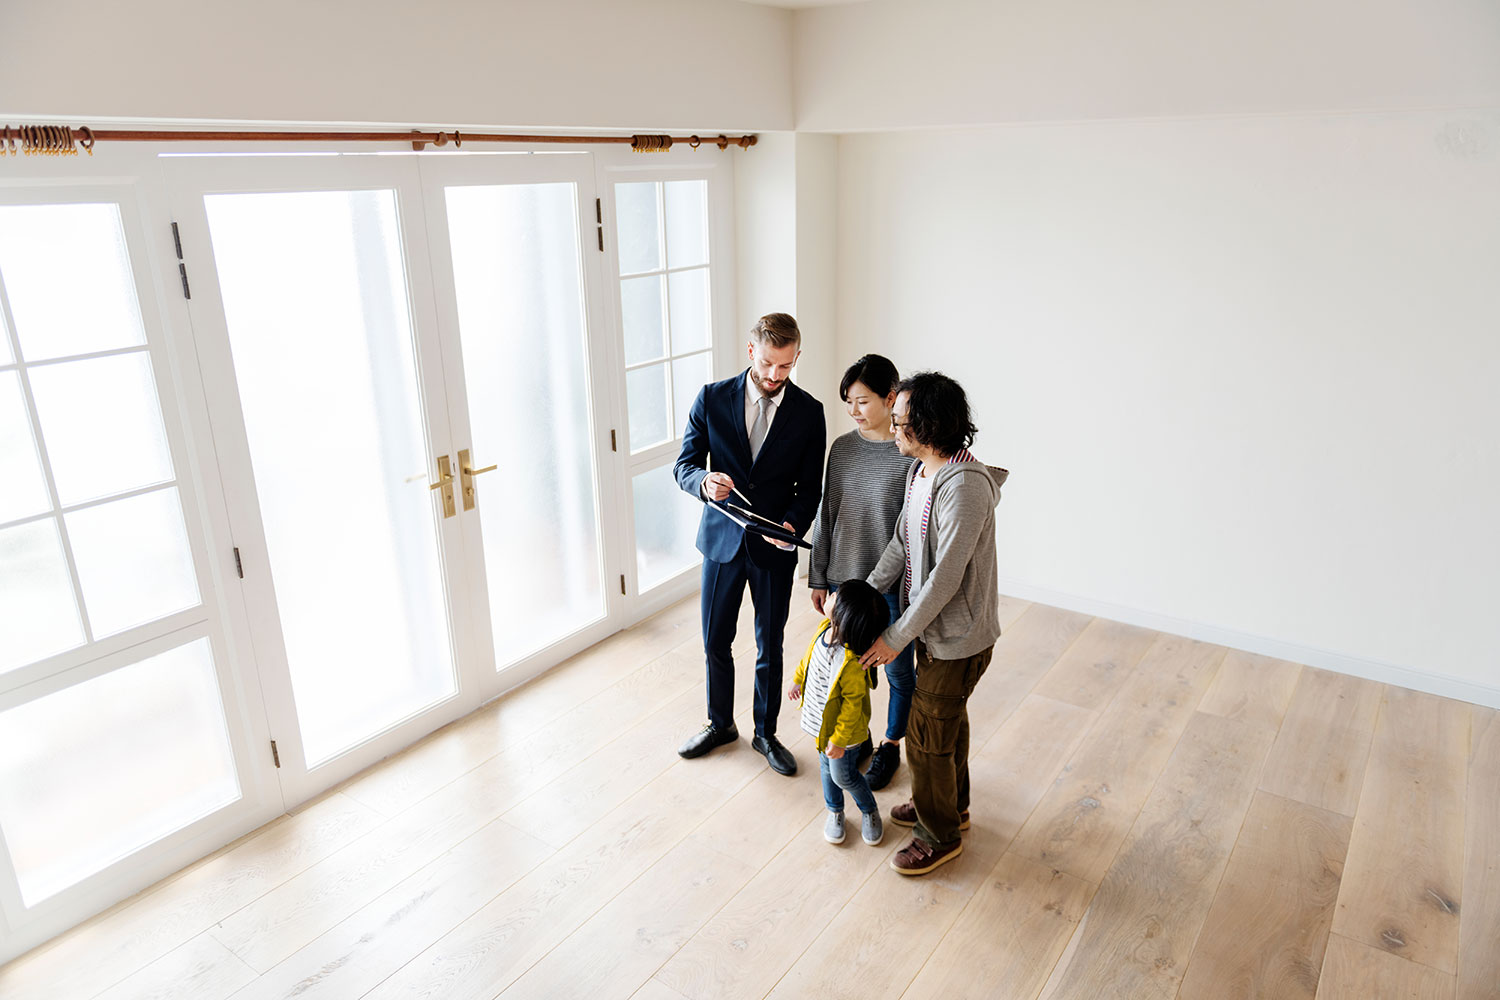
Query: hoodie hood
[(965, 462)]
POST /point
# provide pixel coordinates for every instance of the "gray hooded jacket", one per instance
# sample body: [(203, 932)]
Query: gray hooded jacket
[(956, 608)]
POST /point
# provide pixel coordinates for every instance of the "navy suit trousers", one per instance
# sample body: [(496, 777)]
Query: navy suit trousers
[(770, 583)]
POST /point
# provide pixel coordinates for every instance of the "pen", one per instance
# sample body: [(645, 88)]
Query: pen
[(740, 495)]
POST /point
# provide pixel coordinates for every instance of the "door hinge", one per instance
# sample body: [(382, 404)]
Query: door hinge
[(275, 756), (239, 567), (599, 220), (187, 292), (622, 583), (612, 445)]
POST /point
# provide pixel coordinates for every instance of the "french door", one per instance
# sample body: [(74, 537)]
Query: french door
[(512, 255), (128, 716), (303, 456), (403, 389)]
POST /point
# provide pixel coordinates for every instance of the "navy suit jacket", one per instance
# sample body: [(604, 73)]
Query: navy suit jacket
[(784, 483)]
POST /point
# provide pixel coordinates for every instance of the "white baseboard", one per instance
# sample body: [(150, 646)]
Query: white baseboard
[(1373, 670)]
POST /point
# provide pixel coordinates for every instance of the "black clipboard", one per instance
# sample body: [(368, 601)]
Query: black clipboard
[(753, 522)]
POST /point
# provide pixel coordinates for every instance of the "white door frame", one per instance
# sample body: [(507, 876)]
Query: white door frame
[(617, 165), (129, 180)]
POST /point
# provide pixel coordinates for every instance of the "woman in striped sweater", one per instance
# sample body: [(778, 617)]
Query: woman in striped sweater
[(863, 490)]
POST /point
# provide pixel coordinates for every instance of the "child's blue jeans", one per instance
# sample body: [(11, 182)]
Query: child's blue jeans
[(842, 775)]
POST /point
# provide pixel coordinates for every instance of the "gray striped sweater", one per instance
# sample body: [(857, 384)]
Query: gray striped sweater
[(863, 490)]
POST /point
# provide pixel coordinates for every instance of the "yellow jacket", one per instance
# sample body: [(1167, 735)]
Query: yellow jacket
[(846, 717)]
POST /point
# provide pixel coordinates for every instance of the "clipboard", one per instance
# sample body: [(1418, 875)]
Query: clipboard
[(753, 522)]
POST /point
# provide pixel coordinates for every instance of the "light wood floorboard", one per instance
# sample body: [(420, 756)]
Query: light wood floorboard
[(1152, 817), (1403, 880), (1320, 753), (1479, 921), (1266, 933)]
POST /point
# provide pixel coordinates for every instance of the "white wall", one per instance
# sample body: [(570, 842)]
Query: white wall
[(786, 234), (1243, 370), (905, 64), (580, 64)]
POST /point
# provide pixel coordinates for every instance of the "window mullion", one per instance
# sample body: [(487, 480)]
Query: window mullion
[(7, 319)]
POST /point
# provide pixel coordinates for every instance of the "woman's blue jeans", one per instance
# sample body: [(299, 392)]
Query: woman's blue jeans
[(901, 675), (842, 775)]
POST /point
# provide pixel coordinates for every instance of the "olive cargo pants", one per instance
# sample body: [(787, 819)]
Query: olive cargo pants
[(937, 742)]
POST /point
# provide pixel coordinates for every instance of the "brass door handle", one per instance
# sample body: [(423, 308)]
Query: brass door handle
[(468, 477), (445, 483)]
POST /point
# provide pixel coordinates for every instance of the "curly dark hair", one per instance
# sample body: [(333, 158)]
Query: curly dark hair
[(877, 373), (937, 412)]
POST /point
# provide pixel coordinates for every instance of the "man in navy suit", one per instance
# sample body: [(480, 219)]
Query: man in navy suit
[(764, 438)]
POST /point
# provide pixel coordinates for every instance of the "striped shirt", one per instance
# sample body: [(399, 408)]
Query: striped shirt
[(918, 513), (821, 674), (863, 490)]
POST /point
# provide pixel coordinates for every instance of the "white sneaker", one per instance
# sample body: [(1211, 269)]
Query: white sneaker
[(872, 828), (833, 830)]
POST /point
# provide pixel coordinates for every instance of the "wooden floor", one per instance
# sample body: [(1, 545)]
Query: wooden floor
[(1152, 817)]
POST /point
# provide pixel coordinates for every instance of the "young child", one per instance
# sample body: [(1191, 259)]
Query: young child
[(835, 693)]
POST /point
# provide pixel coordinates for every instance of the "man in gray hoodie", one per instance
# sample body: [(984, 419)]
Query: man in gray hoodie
[(943, 552)]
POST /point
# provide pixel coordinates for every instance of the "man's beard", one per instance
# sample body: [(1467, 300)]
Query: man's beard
[(760, 384)]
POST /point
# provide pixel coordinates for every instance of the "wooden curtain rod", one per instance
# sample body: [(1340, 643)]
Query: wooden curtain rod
[(63, 140)]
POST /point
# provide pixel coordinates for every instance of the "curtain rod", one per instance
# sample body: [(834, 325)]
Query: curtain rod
[(63, 140)]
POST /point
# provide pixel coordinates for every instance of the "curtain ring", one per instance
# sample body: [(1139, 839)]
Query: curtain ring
[(695, 142), (723, 142), (458, 141), (88, 139)]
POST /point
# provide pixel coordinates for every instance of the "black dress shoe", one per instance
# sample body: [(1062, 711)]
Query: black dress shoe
[(706, 739), (778, 756)]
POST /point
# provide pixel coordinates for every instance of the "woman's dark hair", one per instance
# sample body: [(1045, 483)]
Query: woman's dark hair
[(859, 615), (877, 373), (937, 412)]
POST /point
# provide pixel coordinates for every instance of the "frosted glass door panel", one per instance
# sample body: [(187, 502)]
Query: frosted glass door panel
[(666, 524), (689, 375), (96, 771), (690, 313), (522, 330), (38, 613), (68, 276), (134, 563), (321, 336), (641, 315), (23, 491), (638, 212), (687, 222), (646, 389), (102, 424)]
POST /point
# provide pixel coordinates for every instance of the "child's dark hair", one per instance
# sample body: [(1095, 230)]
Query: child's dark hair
[(877, 373), (859, 615)]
